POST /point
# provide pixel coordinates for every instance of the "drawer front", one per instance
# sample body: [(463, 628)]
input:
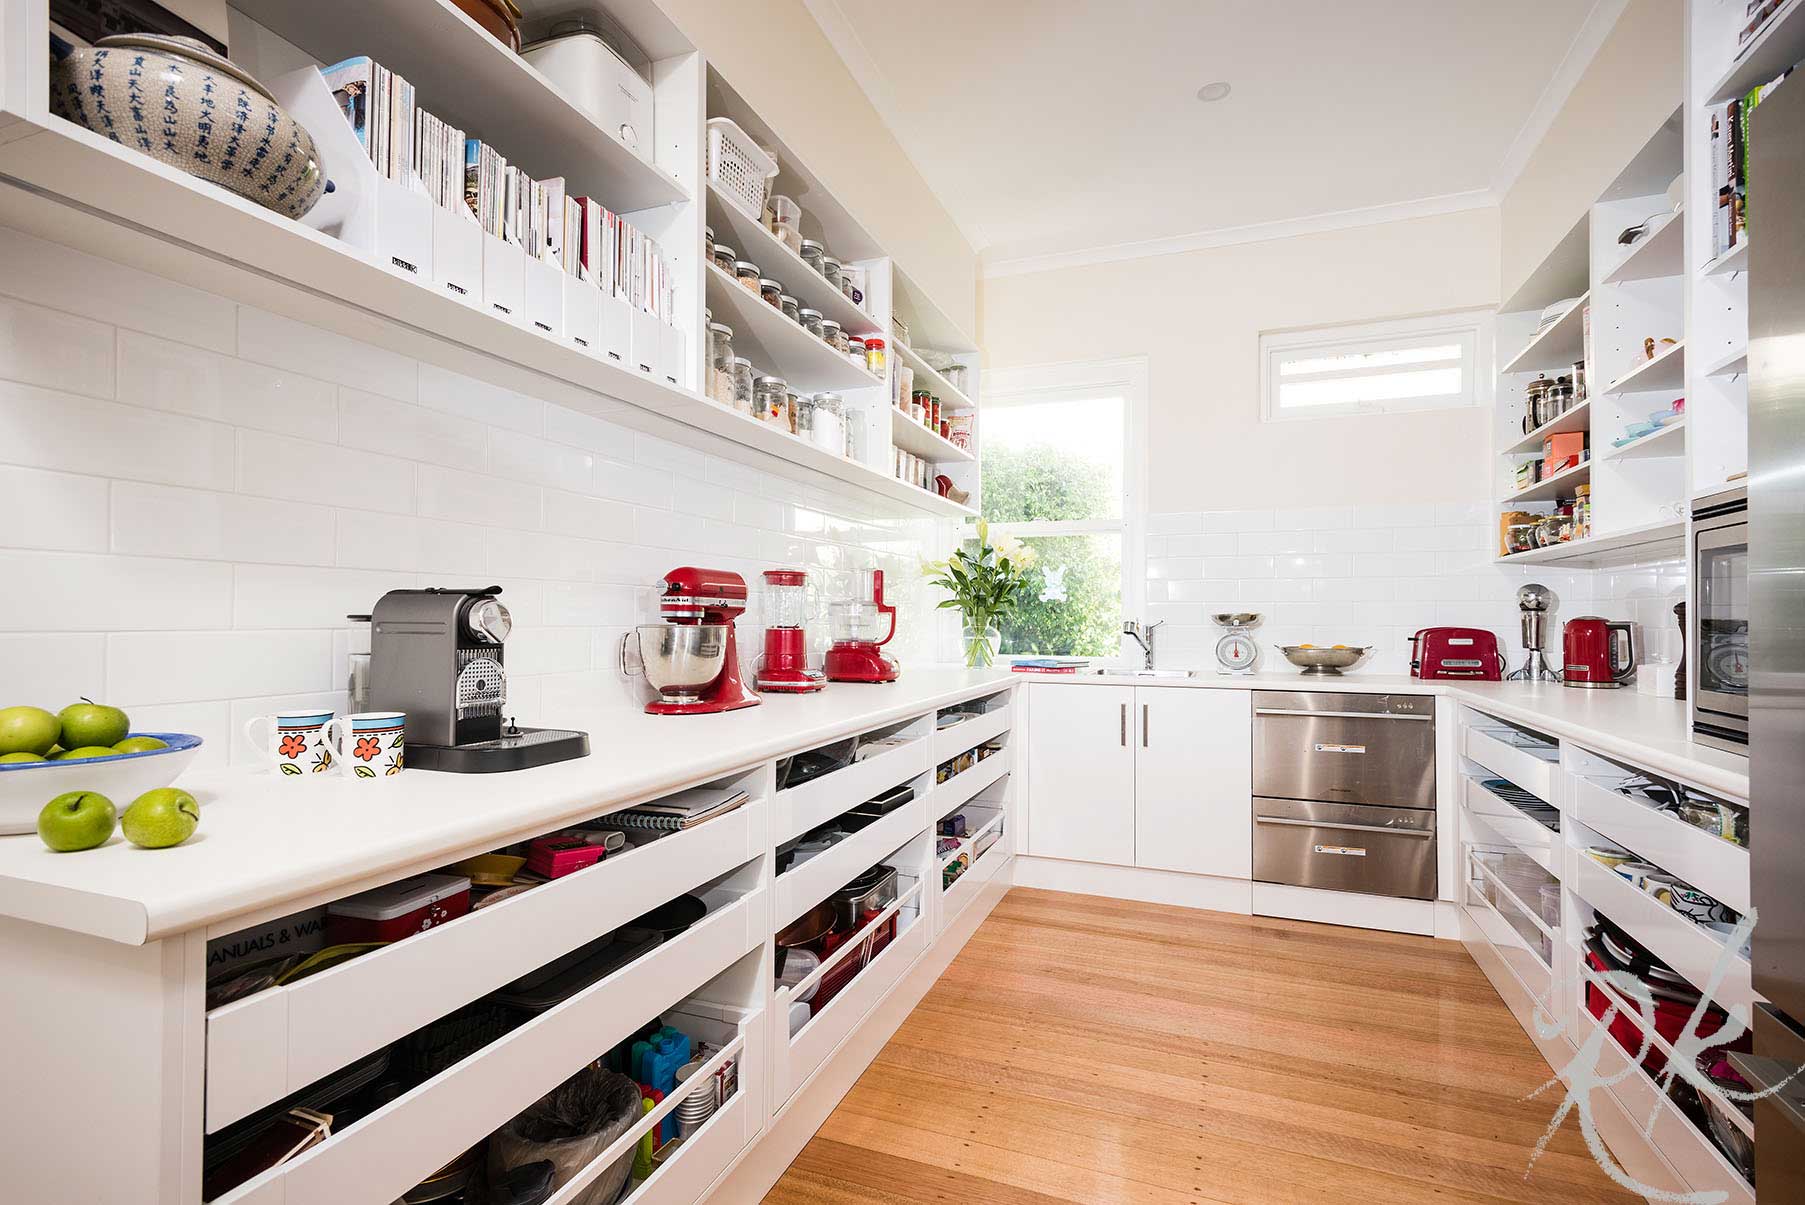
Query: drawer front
[(816, 802), (1689, 949), (1708, 862), (1336, 847), (1532, 773), (960, 788), (1385, 759), (263, 1047), (805, 885), (951, 742), (1495, 820), (394, 1148)]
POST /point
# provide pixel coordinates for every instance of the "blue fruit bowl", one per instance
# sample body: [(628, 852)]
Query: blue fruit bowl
[(25, 787)]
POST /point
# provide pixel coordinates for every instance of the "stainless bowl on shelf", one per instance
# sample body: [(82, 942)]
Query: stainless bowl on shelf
[(1321, 661)]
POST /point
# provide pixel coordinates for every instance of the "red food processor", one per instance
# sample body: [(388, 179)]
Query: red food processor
[(854, 656), (784, 666)]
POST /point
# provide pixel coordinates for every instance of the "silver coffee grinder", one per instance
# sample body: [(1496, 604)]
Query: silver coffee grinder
[(1535, 603)]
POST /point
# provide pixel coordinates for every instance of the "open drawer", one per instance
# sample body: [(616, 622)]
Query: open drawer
[(389, 1151), (968, 783), (798, 1054), (1496, 820), (278, 1041), (1707, 861), (993, 720), (1498, 884), (806, 884), (983, 823), (800, 808), (1689, 948), (1525, 758)]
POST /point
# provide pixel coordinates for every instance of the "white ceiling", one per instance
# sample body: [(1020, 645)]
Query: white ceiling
[(1054, 128)]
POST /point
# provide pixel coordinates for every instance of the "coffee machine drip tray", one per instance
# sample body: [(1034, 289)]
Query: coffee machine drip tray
[(515, 749)]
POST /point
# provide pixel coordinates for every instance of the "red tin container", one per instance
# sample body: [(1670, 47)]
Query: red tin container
[(398, 910)]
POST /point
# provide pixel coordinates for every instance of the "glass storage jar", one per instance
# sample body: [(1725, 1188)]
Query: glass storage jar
[(725, 257), (771, 401), (855, 350), (827, 425), (740, 395), (813, 253), (794, 404), (790, 307), (720, 362), (771, 291), (747, 272), (811, 320), (832, 335), (855, 437), (830, 268), (875, 359)]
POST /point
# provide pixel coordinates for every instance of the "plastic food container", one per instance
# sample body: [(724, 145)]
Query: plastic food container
[(398, 910), (558, 854)]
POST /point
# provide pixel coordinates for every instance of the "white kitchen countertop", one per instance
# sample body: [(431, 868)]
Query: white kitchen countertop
[(1650, 731), (264, 840)]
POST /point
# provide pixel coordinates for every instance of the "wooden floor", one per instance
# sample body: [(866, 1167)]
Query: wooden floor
[(1097, 1051)]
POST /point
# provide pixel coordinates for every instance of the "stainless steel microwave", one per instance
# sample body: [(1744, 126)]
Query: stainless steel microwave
[(1720, 669)]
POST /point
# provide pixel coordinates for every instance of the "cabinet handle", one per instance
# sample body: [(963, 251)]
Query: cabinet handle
[(1124, 725), (1143, 725)]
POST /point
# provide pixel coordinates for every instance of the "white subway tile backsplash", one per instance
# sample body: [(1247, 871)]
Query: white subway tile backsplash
[(276, 466), (1218, 544), (54, 510), (267, 597), (54, 349), (183, 667), (78, 592), (52, 670), (50, 430), (159, 520), (537, 461), (1173, 523), (588, 518), (1256, 542), (1237, 520), (703, 499), (211, 721), (51, 274), (466, 397), (688, 463), (749, 510), (370, 422), (266, 338), (633, 483), (165, 375), (566, 426), (1316, 518), (537, 554), (476, 498)]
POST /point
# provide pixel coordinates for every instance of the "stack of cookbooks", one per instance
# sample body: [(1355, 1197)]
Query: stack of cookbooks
[(1048, 665), (686, 809)]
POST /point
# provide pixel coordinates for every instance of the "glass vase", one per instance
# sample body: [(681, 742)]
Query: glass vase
[(981, 645)]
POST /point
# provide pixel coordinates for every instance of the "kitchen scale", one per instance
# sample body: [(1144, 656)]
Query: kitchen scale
[(1236, 652)]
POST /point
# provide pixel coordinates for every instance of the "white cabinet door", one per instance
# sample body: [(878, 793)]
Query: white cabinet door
[(1194, 781), (1081, 773)]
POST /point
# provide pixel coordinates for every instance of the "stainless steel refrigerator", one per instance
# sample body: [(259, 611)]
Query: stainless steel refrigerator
[(1777, 629)]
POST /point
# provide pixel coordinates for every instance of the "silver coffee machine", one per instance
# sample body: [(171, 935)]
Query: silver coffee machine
[(438, 656)]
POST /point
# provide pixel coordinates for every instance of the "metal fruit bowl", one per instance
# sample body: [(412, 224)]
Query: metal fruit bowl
[(1315, 659), (25, 787)]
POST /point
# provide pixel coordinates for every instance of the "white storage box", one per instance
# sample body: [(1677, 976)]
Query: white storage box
[(739, 166), (601, 83), (544, 297), (582, 313)]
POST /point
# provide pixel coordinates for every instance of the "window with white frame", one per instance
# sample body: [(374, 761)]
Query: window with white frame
[(1376, 368), (1061, 452)]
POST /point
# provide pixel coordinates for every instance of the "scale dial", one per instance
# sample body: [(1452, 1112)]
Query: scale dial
[(1237, 653)]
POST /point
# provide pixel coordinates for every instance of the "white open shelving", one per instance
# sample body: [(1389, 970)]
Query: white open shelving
[(1666, 370), (932, 380), (1577, 417), (1557, 347), (929, 445), (775, 260), (1551, 487), (1669, 440), (776, 344), (1779, 45), (1657, 254)]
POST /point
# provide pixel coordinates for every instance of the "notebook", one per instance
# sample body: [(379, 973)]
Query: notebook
[(686, 809)]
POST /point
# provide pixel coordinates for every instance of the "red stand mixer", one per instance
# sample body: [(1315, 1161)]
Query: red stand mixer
[(854, 656), (784, 667), (692, 658)]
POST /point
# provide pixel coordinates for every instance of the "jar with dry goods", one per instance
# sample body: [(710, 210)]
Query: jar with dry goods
[(827, 423), (771, 291), (747, 272), (830, 268), (771, 401), (813, 253), (855, 350), (725, 257), (875, 359), (740, 394), (790, 307), (832, 335), (811, 320), (720, 362)]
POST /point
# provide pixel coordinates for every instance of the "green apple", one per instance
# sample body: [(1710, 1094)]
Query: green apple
[(21, 756), (85, 752), (161, 818), (78, 820), (90, 723), (28, 730), (139, 744)]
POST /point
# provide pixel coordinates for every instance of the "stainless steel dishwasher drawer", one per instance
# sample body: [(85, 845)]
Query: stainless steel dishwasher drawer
[(1345, 847), (1344, 747)]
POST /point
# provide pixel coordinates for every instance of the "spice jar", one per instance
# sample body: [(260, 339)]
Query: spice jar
[(771, 401), (832, 335), (875, 359), (830, 268), (811, 320), (747, 272), (934, 413), (771, 291), (720, 362), (740, 396), (813, 253), (794, 404), (1582, 511), (725, 257), (788, 305)]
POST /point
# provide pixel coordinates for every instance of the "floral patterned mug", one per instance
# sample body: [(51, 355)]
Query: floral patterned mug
[(295, 746), (370, 744)]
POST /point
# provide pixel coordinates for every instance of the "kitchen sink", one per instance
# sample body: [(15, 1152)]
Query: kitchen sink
[(1145, 673)]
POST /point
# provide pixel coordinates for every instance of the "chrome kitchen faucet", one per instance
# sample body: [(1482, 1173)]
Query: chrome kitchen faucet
[(1142, 636)]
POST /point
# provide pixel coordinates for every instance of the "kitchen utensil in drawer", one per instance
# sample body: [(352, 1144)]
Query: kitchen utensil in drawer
[(870, 892), (564, 977), (672, 918), (806, 929), (795, 965)]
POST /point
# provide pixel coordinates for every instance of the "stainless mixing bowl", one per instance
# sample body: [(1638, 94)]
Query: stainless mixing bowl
[(1315, 659), (682, 659)]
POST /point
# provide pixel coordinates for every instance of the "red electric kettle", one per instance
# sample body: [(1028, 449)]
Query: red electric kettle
[(1591, 645)]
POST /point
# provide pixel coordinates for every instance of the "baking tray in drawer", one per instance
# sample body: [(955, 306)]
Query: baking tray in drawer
[(278, 1041), (1509, 754), (797, 810)]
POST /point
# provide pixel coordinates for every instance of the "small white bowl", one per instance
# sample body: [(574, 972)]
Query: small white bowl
[(25, 787)]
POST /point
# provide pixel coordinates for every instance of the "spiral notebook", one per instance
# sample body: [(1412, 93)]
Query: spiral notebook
[(686, 809)]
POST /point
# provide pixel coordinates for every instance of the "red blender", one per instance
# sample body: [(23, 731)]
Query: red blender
[(784, 667), (692, 658), (854, 656)]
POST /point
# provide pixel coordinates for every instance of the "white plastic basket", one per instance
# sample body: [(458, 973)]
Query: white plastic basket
[(739, 167)]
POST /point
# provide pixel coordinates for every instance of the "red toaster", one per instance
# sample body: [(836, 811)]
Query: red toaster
[(1456, 653)]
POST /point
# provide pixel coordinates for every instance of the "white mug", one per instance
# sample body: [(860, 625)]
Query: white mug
[(295, 746), (370, 744)]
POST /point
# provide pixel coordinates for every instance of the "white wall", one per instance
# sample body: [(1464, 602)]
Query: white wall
[(194, 494), (1198, 316)]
